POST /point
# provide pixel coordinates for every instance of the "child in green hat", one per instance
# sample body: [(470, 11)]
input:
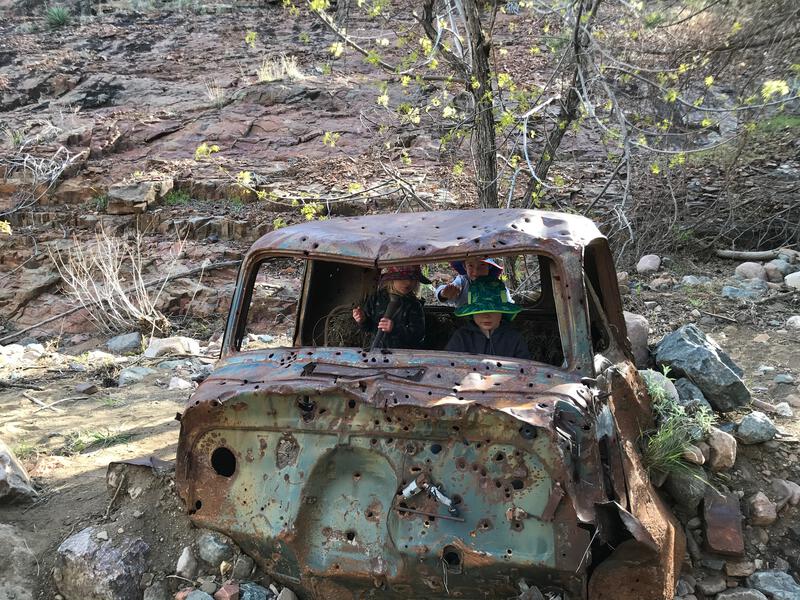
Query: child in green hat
[(488, 332)]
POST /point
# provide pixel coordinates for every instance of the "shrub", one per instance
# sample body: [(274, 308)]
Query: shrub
[(57, 17)]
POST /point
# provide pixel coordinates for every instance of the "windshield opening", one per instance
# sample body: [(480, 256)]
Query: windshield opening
[(494, 306)]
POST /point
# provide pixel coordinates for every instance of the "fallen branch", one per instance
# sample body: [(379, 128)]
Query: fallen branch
[(716, 316), (114, 498), (24, 386), (39, 402), (211, 267), (744, 255), (52, 404)]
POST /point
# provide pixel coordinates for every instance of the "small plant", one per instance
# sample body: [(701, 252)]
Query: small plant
[(16, 137), (663, 448), (282, 67), (57, 17), (110, 402), (5, 228), (100, 202), (79, 441), (279, 223), (25, 450), (215, 94), (177, 198)]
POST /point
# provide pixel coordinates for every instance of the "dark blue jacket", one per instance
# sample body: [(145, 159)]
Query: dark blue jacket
[(504, 341)]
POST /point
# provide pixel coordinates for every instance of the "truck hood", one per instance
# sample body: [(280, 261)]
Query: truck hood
[(524, 389)]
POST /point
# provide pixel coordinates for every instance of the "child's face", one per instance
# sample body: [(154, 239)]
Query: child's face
[(403, 286), (488, 322), (476, 268)]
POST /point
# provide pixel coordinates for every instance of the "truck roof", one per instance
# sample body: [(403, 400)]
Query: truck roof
[(430, 236)]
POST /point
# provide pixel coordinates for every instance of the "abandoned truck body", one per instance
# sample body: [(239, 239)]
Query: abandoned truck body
[(420, 473)]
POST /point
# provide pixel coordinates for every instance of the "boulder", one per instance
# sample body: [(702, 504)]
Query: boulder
[(723, 449), (690, 396), (157, 591), (689, 353), (126, 343), (648, 264), (751, 270), (253, 591), (172, 345), (763, 511), (131, 198), (131, 375), (213, 548), (787, 492), (91, 569), (775, 584), (747, 289), (742, 568), (776, 270), (187, 564), (15, 484), (712, 584), (793, 322), (229, 591), (243, 567), (287, 594), (176, 383), (756, 428), (793, 280), (638, 328), (687, 487)]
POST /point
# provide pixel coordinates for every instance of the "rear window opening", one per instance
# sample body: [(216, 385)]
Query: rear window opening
[(293, 303)]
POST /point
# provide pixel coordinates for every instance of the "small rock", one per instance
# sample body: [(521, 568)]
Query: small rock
[(132, 375), (98, 357), (776, 269), (665, 282), (86, 388), (658, 383), (763, 511), (690, 396), (252, 591), (775, 584), (86, 569), (787, 491), (102, 535), (172, 345), (792, 280), (176, 383), (687, 489), (751, 270), (648, 264), (287, 594), (157, 591), (243, 567), (748, 289), (793, 322), (15, 484), (784, 410), (723, 449), (213, 548), (693, 455), (740, 594), (693, 281), (638, 329), (187, 564), (756, 428), (199, 595), (683, 588), (781, 564), (229, 591), (208, 586), (126, 343), (743, 568), (784, 378), (712, 584)]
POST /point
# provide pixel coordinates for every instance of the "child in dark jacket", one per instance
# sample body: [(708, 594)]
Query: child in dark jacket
[(488, 332), (405, 328)]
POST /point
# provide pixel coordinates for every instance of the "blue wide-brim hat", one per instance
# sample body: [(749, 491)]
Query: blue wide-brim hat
[(495, 268), (487, 295)]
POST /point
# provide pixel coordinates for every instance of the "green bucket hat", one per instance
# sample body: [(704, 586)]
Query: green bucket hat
[(487, 294)]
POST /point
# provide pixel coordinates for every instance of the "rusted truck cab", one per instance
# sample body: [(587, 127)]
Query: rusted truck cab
[(421, 473)]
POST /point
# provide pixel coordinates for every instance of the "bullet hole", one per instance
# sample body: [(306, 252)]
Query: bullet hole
[(198, 505), (499, 457), (223, 462), (351, 403), (350, 535), (451, 556), (517, 484), (436, 448)]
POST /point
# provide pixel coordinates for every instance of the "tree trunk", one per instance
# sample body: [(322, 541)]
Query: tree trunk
[(483, 136)]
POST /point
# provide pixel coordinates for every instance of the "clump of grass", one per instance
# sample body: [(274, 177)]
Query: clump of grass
[(80, 441), (282, 67), (111, 402), (177, 198), (25, 450), (100, 202), (57, 17), (215, 94)]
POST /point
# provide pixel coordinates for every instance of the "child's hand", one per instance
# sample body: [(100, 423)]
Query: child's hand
[(358, 315), (385, 325), (450, 291)]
